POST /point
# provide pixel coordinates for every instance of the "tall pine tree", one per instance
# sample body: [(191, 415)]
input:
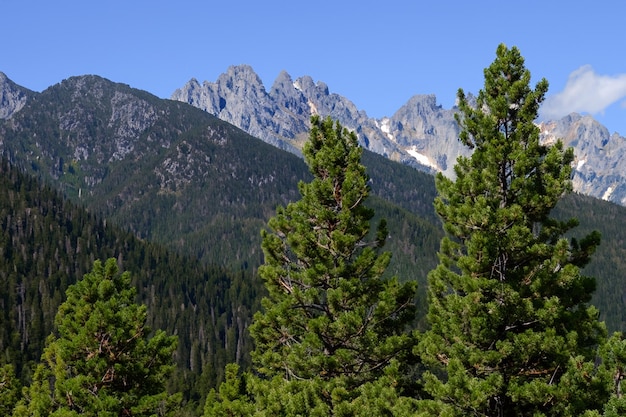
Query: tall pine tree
[(330, 314), (104, 360), (511, 331)]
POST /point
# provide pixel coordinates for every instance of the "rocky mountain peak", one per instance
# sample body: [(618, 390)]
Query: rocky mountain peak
[(241, 79), (283, 82), (230, 97), (12, 97), (428, 132), (310, 87), (599, 165), (421, 133)]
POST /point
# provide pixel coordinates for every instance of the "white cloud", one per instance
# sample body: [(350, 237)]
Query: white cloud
[(585, 92)]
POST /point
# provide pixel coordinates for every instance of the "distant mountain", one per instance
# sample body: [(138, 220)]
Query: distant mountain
[(168, 171), (420, 134), (281, 116), (600, 156), (162, 168)]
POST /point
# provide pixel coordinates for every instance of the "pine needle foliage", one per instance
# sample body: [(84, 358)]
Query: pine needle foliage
[(330, 312), (511, 333), (103, 361)]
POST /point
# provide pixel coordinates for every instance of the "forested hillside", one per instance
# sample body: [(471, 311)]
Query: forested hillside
[(48, 243), (608, 264)]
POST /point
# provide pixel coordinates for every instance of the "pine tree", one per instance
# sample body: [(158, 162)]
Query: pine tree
[(10, 388), (103, 362), (330, 314), (232, 398), (613, 371), (511, 331)]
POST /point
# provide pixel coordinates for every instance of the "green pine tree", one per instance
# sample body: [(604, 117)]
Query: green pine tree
[(104, 360), (330, 314), (613, 371), (232, 398), (10, 388), (511, 331)]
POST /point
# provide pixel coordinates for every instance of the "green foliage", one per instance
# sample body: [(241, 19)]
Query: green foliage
[(249, 395), (232, 398), (331, 322), (10, 388), (511, 332), (37, 398), (329, 313), (612, 370), (104, 362)]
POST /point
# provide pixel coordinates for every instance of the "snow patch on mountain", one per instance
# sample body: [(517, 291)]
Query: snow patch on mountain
[(421, 158), (385, 127), (607, 194)]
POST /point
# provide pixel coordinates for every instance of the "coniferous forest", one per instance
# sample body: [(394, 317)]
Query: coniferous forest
[(350, 286)]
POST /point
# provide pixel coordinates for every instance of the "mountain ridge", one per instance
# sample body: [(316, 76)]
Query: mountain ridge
[(421, 133), (134, 157)]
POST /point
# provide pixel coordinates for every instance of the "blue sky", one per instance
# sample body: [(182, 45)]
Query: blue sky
[(377, 54)]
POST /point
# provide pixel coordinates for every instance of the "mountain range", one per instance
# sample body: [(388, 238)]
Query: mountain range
[(176, 176), (420, 134)]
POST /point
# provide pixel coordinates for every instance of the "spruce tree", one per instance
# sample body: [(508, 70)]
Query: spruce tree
[(330, 314), (104, 361), (511, 333)]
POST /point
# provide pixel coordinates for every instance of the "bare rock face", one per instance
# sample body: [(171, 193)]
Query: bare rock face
[(282, 116), (12, 97), (600, 164), (428, 133), (420, 134), (230, 98)]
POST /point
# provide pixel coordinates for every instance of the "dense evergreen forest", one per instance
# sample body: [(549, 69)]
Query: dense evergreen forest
[(192, 249), (49, 243)]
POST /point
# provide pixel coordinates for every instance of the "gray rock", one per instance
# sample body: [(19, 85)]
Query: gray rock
[(12, 97), (600, 164), (421, 133)]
